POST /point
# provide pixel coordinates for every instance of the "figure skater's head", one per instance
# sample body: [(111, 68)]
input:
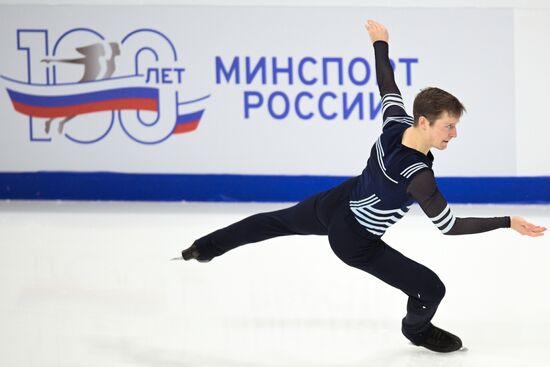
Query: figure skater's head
[(436, 114), (432, 102)]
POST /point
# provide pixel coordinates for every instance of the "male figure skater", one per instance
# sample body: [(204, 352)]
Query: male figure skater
[(356, 213)]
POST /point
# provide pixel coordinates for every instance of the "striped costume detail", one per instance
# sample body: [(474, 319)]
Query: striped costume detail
[(376, 221), (444, 220), (407, 120), (392, 99), (380, 158), (409, 171)]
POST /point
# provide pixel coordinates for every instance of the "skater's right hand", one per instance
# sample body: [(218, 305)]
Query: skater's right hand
[(377, 31), (525, 228)]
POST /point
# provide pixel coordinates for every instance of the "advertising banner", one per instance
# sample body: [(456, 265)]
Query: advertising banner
[(281, 91)]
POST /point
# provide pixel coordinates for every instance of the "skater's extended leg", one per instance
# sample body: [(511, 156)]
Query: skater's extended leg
[(298, 219)]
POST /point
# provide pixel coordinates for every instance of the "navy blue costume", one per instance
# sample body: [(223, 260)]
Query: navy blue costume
[(355, 214)]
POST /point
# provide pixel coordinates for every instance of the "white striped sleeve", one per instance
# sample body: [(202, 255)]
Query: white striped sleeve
[(444, 220), (423, 188), (392, 99), (413, 168)]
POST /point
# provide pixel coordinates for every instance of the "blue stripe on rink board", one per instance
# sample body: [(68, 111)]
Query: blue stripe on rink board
[(216, 187)]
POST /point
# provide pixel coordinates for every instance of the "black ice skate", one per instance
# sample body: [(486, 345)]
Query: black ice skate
[(192, 253), (441, 341)]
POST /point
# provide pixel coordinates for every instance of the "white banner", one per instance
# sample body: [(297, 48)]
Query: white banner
[(245, 90)]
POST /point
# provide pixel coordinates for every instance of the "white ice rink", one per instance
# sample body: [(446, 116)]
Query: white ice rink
[(92, 284)]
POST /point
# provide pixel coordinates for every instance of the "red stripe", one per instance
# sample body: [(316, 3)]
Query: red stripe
[(144, 104), (185, 128)]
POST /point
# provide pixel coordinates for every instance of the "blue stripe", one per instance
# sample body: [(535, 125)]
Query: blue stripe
[(178, 187), (499, 190), (76, 99), (182, 119)]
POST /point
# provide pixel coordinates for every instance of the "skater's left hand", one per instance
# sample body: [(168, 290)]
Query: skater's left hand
[(525, 228)]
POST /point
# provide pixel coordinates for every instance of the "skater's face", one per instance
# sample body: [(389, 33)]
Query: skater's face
[(442, 131)]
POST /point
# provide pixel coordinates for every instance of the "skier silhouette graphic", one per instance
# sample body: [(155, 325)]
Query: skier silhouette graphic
[(99, 63)]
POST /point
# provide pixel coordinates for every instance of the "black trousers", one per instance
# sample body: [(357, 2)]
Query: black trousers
[(328, 214)]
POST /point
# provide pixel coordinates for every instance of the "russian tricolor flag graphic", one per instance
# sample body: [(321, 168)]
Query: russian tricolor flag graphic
[(133, 98), (187, 122), (50, 101)]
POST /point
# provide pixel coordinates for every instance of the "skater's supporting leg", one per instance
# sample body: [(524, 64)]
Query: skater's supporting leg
[(422, 285), (354, 246)]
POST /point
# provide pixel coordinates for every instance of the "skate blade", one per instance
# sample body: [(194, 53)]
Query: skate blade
[(177, 258), (462, 349)]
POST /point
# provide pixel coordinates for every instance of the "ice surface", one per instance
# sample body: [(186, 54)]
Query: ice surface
[(92, 284)]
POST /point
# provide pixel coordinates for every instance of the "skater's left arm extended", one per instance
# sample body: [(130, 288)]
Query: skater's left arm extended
[(424, 189)]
